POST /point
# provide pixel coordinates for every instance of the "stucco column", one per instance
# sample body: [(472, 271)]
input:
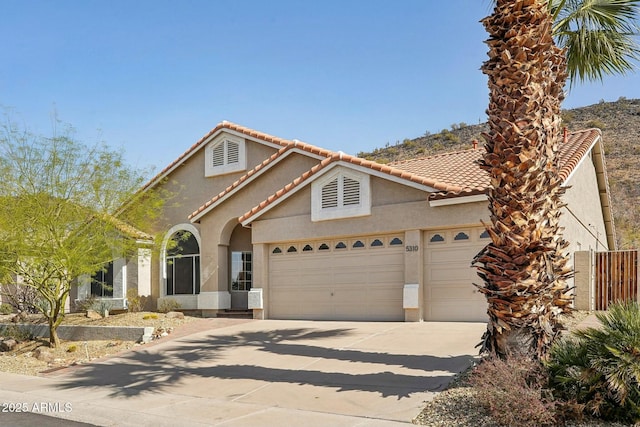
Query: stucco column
[(413, 276), (214, 289), (583, 280), (260, 279)]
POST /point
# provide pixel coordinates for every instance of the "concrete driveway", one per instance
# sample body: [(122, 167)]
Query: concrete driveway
[(261, 373)]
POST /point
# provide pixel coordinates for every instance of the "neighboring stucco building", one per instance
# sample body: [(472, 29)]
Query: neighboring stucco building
[(294, 231)]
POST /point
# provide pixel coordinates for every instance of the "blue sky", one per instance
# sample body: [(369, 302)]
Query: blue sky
[(152, 77)]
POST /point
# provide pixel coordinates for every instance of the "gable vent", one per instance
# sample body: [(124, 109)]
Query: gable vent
[(351, 192), (218, 155), (330, 194), (233, 152)]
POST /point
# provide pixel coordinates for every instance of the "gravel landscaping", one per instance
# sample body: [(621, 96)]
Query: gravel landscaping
[(34, 357), (459, 405)]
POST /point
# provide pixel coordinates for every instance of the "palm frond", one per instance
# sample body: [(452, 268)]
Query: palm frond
[(599, 36)]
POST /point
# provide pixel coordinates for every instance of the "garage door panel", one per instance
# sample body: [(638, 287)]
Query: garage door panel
[(451, 272), (443, 255), (449, 292), (452, 292), (339, 284)]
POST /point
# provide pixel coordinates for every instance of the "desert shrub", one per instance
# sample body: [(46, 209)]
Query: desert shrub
[(17, 333), (599, 368), (567, 117), (102, 307), (86, 304), (515, 391), (596, 124), (168, 304), (23, 299), (6, 309), (150, 316), (134, 301), (72, 348)]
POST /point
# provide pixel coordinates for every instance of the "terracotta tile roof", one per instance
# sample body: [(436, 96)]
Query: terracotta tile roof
[(287, 146), (575, 148), (455, 174), (223, 125), (459, 168), (330, 157)]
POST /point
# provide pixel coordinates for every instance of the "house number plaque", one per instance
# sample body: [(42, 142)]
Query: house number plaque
[(412, 248)]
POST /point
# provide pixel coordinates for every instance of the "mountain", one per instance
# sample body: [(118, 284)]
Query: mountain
[(620, 125)]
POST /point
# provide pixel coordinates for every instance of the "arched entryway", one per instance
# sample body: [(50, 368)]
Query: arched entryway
[(240, 266)]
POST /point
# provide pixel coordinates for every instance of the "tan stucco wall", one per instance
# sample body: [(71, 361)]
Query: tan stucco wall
[(583, 221), (584, 297), (582, 218), (191, 189), (218, 224), (394, 208)]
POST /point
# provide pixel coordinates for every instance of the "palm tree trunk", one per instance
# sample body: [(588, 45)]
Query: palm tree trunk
[(524, 268)]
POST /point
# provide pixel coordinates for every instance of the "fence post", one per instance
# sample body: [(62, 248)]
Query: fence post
[(637, 284)]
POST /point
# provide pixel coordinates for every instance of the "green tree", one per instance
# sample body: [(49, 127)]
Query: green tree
[(525, 267), (598, 35), (59, 201)]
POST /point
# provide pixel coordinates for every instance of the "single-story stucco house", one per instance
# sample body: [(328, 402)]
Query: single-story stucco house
[(294, 231)]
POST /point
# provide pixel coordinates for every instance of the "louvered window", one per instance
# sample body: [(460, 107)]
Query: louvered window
[(341, 191), (233, 152), (341, 194), (351, 191), (224, 155), (330, 194), (218, 155)]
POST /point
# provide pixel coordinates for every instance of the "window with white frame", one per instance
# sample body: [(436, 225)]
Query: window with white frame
[(225, 154), (341, 194), (182, 264)]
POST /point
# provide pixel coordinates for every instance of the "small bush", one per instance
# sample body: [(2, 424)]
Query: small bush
[(103, 307), (515, 392), (72, 349), (15, 332), (86, 304), (599, 368), (5, 309), (150, 316), (596, 124), (134, 301), (167, 305)]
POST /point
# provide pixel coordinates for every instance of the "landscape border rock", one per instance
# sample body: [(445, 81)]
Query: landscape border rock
[(89, 333)]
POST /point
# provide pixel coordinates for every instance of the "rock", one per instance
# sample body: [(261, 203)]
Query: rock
[(8, 344), (175, 315), (44, 354), (20, 317), (91, 314)]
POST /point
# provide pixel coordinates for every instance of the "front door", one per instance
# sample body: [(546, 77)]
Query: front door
[(241, 278)]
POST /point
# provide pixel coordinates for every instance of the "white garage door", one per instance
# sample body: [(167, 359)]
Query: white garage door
[(449, 291), (340, 279)]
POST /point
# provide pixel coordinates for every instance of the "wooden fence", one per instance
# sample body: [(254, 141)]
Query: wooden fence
[(616, 277)]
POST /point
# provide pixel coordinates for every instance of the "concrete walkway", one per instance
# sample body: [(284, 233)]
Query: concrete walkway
[(224, 372)]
